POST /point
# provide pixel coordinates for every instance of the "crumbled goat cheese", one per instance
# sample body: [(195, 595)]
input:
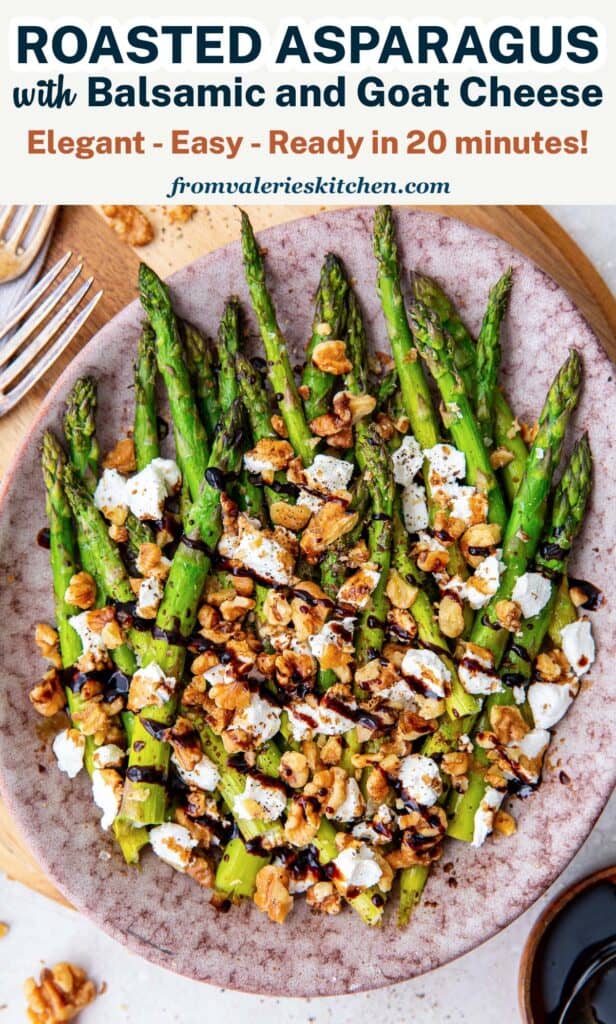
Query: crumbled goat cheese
[(540, 453), (484, 582), (69, 747), (399, 695), (220, 675), (533, 744), (338, 633), (429, 542), (484, 815), (415, 507), (357, 867), (111, 493), (532, 592), (460, 501), (253, 464), (107, 794), (447, 464), (420, 779), (352, 805), (311, 501), (271, 799), (148, 489), (204, 775), (150, 686), (578, 645), (477, 674), (369, 581), (260, 719), (549, 702), (108, 756), (429, 669), (304, 720), (91, 642), (328, 474), (407, 461), (259, 553), (149, 597), (173, 844), (519, 694)]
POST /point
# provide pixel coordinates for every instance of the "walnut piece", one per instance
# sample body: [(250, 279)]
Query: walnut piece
[(180, 214), (325, 527), (272, 892), (323, 897), (292, 517), (122, 457), (277, 454), (509, 614), (294, 769), (400, 592), (501, 457), (81, 590), (331, 357), (47, 640), (451, 616), (479, 541), (504, 823), (59, 995), (48, 697), (132, 226)]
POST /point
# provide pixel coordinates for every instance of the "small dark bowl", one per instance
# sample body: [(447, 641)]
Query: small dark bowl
[(530, 986)]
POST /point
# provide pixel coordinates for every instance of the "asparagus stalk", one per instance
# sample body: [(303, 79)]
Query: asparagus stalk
[(145, 802), (567, 515), (190, 437), (228, 347), (328, 324), (436, 349), (200, 362), (80, 431), (529, 507), (413, 383), (505, 435), (145, 428), (62, 546), (279, 367), (489, 355)]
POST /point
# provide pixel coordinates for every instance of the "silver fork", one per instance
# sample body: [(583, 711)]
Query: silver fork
[(20, 369), (23, 230)]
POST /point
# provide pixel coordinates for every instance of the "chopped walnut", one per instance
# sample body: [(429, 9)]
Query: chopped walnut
[(303, 820), (81, 590), (48, 696), (95, 718), (292, 517), (132, 226), (112, 635), (331, 751), (272, 892), (59, 995), (501, 457), (455, 763), (529, 432), (400, 592), (326, 526), (451, 616), (203, 662), (377, 785), (323, 896), (504, 823), (508, 724), (276, 609), (118, 533), (294, 769), (200, 870), (310, 608), (277, 454), (509, 614), (430, 559), (356, 590), (331, 357), (293, 669), (185, 741), (401, 625), (278, 425), (122, 457), (151, 562), (549, 667), (236, 608), (479, 541), (180, 214), (47, 640)]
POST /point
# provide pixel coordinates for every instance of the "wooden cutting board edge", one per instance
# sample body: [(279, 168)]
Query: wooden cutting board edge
[(83, 230)]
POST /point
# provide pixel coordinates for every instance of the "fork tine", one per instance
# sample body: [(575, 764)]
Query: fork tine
[(7, 401), (6, 218), (26, 304), (14, 369), (19, 232), (29, 326)]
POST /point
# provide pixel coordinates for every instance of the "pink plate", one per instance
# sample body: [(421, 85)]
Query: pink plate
[(163, 915)]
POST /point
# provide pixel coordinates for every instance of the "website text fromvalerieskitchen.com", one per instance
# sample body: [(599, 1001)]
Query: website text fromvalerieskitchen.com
[(481, 108)]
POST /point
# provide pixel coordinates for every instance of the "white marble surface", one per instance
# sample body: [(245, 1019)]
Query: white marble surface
[(480, 986)]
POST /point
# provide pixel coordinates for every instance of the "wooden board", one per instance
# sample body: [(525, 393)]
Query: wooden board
[(84, 231)]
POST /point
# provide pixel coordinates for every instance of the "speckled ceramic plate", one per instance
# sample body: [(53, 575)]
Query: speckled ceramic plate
[(472, 893)]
